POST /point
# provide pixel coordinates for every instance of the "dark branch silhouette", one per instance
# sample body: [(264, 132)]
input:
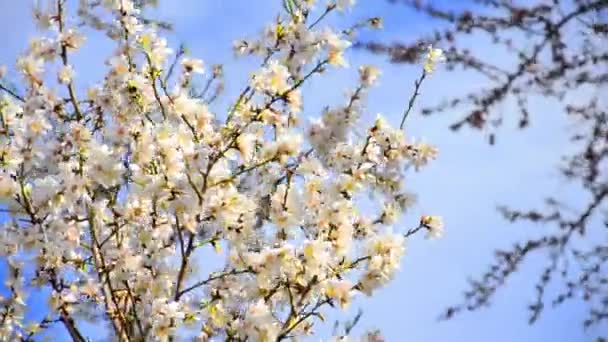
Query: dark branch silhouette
[(557, 50)]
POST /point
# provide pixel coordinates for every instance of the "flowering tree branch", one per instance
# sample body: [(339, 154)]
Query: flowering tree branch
[(113, 195)]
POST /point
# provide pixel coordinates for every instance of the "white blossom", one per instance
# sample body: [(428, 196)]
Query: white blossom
[(344, 4), (368, 74), (193, 65), (434, 225), (434, 56), (66, 74)]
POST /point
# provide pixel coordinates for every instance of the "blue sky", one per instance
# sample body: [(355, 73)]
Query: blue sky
[(464, 185)]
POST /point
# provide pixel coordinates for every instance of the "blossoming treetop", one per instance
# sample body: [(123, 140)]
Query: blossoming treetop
[(111, 194)]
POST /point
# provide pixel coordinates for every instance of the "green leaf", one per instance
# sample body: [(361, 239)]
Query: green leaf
[(288, 6)]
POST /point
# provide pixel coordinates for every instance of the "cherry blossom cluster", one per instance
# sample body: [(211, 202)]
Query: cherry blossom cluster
[(115, 194)]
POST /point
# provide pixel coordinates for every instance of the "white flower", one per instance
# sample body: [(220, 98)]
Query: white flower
[(340, 291), (368, 74), (104, 167), (391, 212), (35, 125), (286, 145), (335, 47), (30, 66), (240, 47), (420, 153), (385, 252), (72, 234), (132, 24), (434, 225), (289, 144), (272, 79), (343, 5), (246, 144), (434, 56), (66, 74), (156, 48), (294, 100), (193, 65), (72, 39), (259, 323), (133, 262), (187, 106), (373, 336), (317, 254), (8, 187), (119, 64), (218, 316), (44, 189)]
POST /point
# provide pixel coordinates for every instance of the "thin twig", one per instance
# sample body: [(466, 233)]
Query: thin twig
[(410, 104), (413, 231), (12, 93), (328, 9)]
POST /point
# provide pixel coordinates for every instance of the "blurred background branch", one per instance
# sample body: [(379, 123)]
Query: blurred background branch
[(557, 51)]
